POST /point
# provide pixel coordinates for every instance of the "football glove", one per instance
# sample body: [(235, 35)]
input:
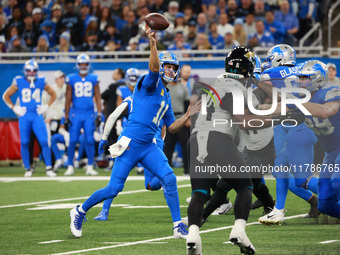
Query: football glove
[(66, 136), (101, 149), (67, 123), (42, 108), (98, 120), (21, 111)]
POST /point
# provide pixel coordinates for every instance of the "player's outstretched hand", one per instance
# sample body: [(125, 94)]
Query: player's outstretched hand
[(102, 143), (42, 108), (151, 34), (21, 111), (195, 108), (293, 117)]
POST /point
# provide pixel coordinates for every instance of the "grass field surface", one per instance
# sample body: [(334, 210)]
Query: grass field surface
[(35, 220)]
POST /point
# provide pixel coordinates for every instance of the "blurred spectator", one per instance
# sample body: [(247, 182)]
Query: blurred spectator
[(215, 39), (188, 13), (56, 15), (116, 9), (142, 12), (239, 34), (232, 11), (17, 47), (111, 46), (16, 19), (260, 9), (77, 6), (202, 43), (3, 27), (91, 43), (72, 22), (229, 42), (185, 77), (222, 7), (249, 25), (202, 23), (42, 46), (30, 32), (172, 11), (3, 14), (65, 43), (224, 25), (192, 33), (29, 6), (9, 8), (274, 4), (13, 31), (332, 75), (159, 6), (85, 16), (47, 28), (289, 21), (276, 28), (196, 5), (130, 29), (95, 8), (180, 24), (110, 34), (179, 44), (92, 25), (212, 15), (306, 16), (261, 37), (2, 44), (246, 6), (133, 46), (105, 3), (104, 18), (37, 16)]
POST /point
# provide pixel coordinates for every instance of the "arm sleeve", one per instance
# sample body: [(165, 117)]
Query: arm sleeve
[(150, 81), (112, 119), (332, 95)]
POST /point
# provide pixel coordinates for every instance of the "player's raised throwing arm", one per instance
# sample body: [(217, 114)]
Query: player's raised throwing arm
[(154, 59)]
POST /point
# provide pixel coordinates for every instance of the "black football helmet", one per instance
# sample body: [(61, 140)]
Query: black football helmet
[(240, 61)]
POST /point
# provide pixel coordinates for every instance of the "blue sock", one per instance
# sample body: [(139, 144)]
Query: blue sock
[(99, 196), (282, 185), (171, 196), (107, 204)]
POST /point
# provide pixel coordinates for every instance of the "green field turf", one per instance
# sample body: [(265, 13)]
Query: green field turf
[(132, 230)]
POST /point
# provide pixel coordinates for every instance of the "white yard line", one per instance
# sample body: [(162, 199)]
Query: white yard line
[(77, 178), (161, 238), (80, 198), (52, 241), (329, 241)]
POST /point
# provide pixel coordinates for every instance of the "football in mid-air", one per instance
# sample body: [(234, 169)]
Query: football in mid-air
[(157, 21)]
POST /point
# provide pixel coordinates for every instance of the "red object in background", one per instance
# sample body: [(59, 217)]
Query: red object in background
[(10, 141)]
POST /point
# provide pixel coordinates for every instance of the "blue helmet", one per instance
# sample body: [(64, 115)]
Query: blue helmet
[(83, 59), (317, 73), (280, 55), (31, 68), (132, 76), (258, 65), (168, 57)]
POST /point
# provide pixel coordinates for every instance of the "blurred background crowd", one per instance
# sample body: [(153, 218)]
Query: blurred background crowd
[(117, 25)]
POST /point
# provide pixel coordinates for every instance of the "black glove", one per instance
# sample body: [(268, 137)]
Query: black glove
[(67, 124), (296, 117), (98, 120)]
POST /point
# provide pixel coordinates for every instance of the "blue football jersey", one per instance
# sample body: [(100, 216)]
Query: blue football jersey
[(124, 91), (327, 130), (30, 97), (151, 103), (83, 92), (281, 76), (158, 134)]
